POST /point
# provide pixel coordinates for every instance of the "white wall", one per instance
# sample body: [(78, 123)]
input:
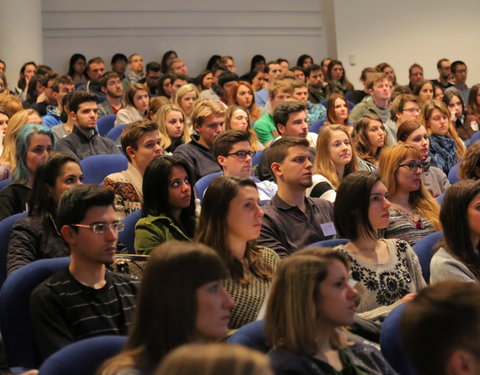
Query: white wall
[(408, 31), (195, 29)]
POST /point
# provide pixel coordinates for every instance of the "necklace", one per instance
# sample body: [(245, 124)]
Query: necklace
[(412, 215)]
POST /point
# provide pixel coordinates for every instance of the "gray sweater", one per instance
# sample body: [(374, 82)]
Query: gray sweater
[(445, 267)]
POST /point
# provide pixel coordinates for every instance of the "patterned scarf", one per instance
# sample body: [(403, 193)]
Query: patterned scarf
[(443, 152)]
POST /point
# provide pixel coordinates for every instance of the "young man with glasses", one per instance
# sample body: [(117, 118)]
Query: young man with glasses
[(233, 152), (405, 108), (83, 300)]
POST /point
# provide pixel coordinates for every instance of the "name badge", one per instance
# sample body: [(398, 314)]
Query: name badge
[(328, 229)]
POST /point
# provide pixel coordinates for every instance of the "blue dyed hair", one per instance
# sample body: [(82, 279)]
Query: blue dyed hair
[(21, 175)]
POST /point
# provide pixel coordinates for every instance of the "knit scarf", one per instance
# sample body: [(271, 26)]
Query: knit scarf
[(443, 150)]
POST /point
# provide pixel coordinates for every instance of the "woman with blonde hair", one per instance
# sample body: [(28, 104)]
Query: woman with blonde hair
[(335, 158), (17, 121), (214, 359), (370, 139), (310, 299), (238, 118), (171, 122), (185, 98), (414, 212), (137, 100), (446, 147)]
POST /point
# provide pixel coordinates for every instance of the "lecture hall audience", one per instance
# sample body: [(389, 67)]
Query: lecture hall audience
[(185, 296)]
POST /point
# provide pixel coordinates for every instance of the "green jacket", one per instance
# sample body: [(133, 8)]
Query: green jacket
[(151, 231)]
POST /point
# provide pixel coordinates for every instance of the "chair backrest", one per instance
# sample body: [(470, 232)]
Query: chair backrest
[(115, 132), (83, 357), (475, 137), (257, 157), (453, 174), (316, 126), (330, 243), (5, 231), (424, 250), (252, 336), (96, 167), (105, 124), (391, 345), (203, 183), (14, 309), (127, 235), (5, 183)]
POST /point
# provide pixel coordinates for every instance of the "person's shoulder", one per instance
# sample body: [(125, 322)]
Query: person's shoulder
[(56, 284), (320, 203), (123, 281)]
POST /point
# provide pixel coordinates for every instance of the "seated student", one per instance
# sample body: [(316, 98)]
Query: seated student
[(290, 119), (61, 86), (137, 99), (84, 140), (237, 118), (446, 147), (458, 258), (230, 223), (233, 152), (379, 87), (311, 298), (414, 133), (32, 144), (214, 359), (111, 86), (172, 125), (456, 105), (335, 158), (36, 237), (265, 126), (241, 94), (386, 272), (414, 212), (208, 122), (84, 299), (370, 139), (315, 112), (141, 143), (337, 79), (440, 329), (8, 158), (168, 211), (181, 300), (405, 108), (315, 80), (338, 111), (62, 130), (291, 220), (185, 98)]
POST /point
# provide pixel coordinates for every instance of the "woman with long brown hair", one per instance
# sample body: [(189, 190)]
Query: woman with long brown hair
[(230, 223)]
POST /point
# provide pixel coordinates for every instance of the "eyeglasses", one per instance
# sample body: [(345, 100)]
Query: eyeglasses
[(413, 165), (102, 227), (242, 154), (411, 110)]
